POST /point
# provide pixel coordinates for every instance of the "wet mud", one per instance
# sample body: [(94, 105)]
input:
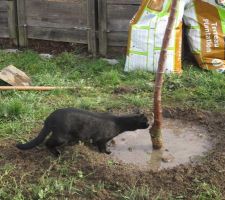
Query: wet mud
[(183, 142)]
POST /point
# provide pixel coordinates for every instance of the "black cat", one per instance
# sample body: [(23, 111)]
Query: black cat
[(71, 125)]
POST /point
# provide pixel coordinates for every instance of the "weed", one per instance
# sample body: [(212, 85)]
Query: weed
[(11, 109), (135, 193), (111, 78), (67, 61), (205, 191)]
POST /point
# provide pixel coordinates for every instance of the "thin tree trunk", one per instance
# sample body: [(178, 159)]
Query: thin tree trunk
[(155, 131)]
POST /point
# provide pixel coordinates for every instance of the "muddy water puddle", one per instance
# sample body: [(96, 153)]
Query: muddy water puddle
[(183, 142)]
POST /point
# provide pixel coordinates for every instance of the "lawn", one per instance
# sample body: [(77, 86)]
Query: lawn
[(81, 173)]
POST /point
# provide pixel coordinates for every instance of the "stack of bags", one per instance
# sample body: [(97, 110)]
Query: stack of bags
[(205, 20)]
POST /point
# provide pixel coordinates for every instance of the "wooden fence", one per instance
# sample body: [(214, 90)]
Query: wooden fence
[(4, 30), (100, 24), (8, 24), (114, 17)]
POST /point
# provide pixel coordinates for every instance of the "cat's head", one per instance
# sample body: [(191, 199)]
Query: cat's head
[(141, 121)]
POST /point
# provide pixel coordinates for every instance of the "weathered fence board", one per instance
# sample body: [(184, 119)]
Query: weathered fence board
[(114, 17), (3, 5), (92, 26), (56, 14), (57, 20), (4, 29), (8, 20), (57, 34), (12, 22), (22, 24)]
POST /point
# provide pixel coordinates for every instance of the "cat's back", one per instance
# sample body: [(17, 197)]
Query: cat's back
[(74, 113), (63, 113)]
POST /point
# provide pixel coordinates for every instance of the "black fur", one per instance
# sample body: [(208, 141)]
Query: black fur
[(71, 125)]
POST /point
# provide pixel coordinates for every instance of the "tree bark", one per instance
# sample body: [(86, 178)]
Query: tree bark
[(155, 131)]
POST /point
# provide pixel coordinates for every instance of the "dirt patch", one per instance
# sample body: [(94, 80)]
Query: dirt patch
[(54, 48), (49, 47), (6, 43), (181, 180), (124, 90)]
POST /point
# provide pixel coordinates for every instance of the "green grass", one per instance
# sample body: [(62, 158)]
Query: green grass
[(47, 187), (95, 82), (206, 191), (135, 193)]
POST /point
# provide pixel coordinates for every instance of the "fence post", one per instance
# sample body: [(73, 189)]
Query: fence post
[(91, 23), (22, 24), (102, 21), (12, 21)]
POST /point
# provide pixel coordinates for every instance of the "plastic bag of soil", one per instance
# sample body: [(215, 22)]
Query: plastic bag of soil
[(205, 20), (146, 34)]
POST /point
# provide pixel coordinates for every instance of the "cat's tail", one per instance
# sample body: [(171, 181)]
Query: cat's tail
[(36, 141)]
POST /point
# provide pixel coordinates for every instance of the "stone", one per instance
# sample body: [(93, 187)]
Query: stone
[(46, 56), (167, 158), (11, 51), (111, 61)]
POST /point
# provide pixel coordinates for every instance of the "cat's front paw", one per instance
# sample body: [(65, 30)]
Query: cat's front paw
[(104, 150), (107, 151)]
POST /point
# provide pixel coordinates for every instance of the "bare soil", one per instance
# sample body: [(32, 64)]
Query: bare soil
[(181, 180), (55, 48), (6, 43), (49, 47)]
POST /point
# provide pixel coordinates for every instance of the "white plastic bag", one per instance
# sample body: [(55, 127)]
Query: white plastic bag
[(146, 34)]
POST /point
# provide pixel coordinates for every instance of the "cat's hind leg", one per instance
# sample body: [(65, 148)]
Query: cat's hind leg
[(52, 143), (101, 144)]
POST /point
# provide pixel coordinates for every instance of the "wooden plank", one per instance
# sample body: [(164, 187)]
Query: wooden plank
[(119, 14), (22, 24), (118, 25), (14, 76), (122, 11), (4, 30), (64, 21), (3, 14), (12, 22), (57, 14), (56, 34), (3, 18), (3, 5), (57, 8), (117, 38), (120, 20), (102, 21), (92, 38)]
